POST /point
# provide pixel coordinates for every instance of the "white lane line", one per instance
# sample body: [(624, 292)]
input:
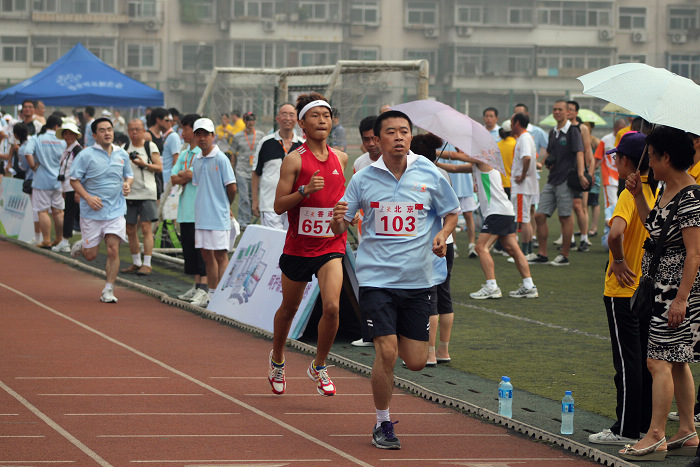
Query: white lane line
[(487, 461), (22, 436), (9, 414), (35, 462), (116, 395), (238, 462), (92, 377), (428, 435), (193, 380), (190, 436), (365, 414), (76, 442), (175, 414), (286, 377)]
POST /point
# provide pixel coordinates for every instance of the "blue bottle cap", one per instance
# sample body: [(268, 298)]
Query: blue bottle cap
[(567, 393), (505, 378)]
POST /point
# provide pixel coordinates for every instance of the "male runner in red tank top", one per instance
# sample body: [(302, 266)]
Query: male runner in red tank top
[(311, 183)]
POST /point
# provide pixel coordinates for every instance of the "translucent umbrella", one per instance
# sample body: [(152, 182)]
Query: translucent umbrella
[(586, 115), (454, 127), (615, 109), (655, 94)]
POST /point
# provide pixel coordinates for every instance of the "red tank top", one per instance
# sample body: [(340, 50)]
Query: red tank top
[(309, 233)]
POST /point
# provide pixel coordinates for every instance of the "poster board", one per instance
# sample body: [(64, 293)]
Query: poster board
[(15, 210)]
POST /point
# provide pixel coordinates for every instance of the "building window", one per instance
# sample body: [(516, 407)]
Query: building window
[(258, 55), (682, 19), (364, 12), (550, 60), (429, 55), (103, 6), (318, 10), (364, 53), (631, 59), (197, 57), (46, 6), (517, 15), (467, 15), (494, 61), (312, 54), (142, 9), (14, 49), (140, 56), (13, 6), (79, 7), (421, 14), (104, 49), (687, 65), (632, 18), (204, 9), (267, 9), (581, 14)]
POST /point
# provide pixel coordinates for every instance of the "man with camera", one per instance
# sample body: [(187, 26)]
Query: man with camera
[(141, 203)]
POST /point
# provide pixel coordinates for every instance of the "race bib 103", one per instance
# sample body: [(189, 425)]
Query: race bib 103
[(396, 219)]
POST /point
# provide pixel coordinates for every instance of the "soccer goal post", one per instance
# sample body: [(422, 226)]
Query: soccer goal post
[(357, 88)]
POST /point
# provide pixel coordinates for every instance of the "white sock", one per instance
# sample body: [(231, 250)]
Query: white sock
[(136, 259), (573, 238), (211, 293), (37, 236), (147, 260), (491, 283), (382, 416), (108, 285), (584, 237), (63, 242), (527, 282)]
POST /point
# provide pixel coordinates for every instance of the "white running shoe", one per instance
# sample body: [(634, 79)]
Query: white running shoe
[(472, 251), (63, 247), (275, 375), (108, 296), (76, 250), (361, 343), (674, 416), (486, 292), (524, 292), (560, 260), (187, 296), (319, 375), (608, 437), (201, 298)]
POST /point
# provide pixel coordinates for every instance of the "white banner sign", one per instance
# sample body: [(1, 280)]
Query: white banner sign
[(251, 289), (15, 210)]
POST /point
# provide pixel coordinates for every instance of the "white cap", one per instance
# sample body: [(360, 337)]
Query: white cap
[(203, 124), (106, 113), (506, 126), (67, 125)]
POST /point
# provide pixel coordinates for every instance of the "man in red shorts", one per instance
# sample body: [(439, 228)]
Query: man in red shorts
[(311, 183)]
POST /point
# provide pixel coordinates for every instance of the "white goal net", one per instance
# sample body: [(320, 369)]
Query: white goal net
[(356, 88)]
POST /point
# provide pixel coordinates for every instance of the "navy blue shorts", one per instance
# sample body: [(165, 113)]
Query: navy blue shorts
[(498, 224), (400, 312), (302, 268)]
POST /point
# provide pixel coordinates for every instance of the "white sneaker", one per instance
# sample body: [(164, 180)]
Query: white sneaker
[(200, 298), (486, 292), (558, 241), (187, 296), (63, 247), (76, 250), (560, 260), (524, 292), (472, 251), (361, 343), (674, 416), (531, 256), (608, 437), (108, 296)]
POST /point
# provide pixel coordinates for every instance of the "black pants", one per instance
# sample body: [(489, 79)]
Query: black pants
[(70, 214), (629, 339)]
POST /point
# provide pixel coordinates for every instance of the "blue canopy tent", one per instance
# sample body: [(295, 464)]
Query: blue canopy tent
[(80, 78)]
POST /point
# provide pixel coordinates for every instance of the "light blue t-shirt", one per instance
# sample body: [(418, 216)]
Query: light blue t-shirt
[(211, 174), (462, 183), (185, 207), (23, 164), (102, 176), (171, 146), (400, 258), (541, 138), (89, 138), (47, 151)]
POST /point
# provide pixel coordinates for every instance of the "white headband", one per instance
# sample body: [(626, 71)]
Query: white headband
[(310, 105)]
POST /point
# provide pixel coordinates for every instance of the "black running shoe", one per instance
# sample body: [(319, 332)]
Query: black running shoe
[(384, 438)]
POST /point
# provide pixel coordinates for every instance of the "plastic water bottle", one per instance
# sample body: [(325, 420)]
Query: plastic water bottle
[(505, 397), (567, 414)]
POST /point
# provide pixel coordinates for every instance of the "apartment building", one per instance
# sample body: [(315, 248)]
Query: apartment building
[(481, 52)]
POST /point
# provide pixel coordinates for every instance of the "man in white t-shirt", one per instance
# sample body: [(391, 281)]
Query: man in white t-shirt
[(368, 142), (524, 189)]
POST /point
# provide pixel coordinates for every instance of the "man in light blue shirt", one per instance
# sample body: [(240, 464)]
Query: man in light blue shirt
[(102, 176), (404, 199), (44, 157), (216, 189), (540, 136), (171, 148), (182, 175), (490, 116)]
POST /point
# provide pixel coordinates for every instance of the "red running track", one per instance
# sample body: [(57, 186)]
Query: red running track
[(141, 383)]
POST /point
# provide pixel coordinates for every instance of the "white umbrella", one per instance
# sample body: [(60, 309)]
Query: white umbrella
[(456, 128), (655, 94)]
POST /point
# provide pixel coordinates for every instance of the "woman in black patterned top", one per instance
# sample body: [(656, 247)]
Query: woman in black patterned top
[(674, 335)]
